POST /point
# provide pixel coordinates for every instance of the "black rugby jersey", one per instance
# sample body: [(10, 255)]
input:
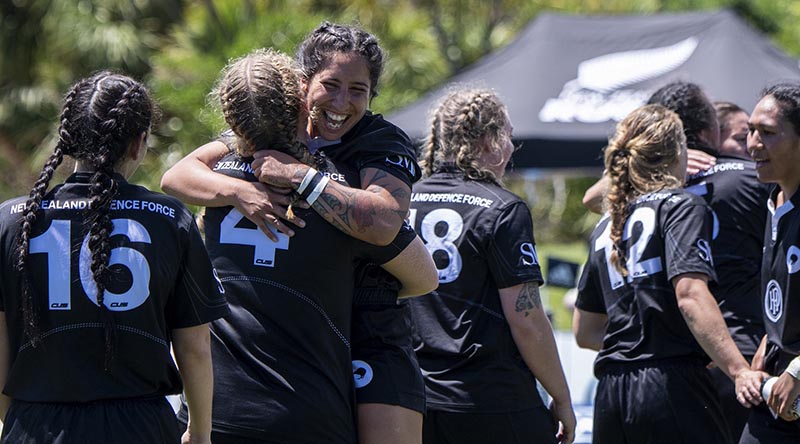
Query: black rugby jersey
[(668, 233), (377, 143), (282, 364), (737, 200), (162, 280), (481, 238), (780, 280)]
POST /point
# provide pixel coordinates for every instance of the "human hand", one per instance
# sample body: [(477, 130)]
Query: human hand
[(784, 393), (265, 206), (565, 416), (278, 169), (698, 161), (748, 387)]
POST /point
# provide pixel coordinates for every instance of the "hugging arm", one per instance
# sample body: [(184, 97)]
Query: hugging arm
[(193, 181)]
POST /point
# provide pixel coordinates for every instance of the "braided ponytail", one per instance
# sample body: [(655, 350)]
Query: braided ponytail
[(639, 159), (262, 101), (101, 116), (461, 125), (65, 144)]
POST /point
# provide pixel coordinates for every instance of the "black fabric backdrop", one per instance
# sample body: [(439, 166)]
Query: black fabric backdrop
[(567, 79)]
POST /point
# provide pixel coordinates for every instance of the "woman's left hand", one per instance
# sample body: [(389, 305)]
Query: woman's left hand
[(784, 393), (278, 169)]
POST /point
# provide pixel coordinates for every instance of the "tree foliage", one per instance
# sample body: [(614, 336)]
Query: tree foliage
[(179, 46)]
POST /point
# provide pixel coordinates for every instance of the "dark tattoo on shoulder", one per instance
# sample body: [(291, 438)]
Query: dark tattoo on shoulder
[(528, 298)]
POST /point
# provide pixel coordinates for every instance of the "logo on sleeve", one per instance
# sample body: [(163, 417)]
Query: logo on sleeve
[(793, 259), (219, 281), (529, 256), (362, 373), (403, 162), (773, 301), (705, 251)]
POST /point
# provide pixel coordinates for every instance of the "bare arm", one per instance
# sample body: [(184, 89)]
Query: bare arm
[(4, 364), (373, 214), (533, 336), (761, 353), (192, 347), (702, 315), (415, 270), (589, 329), (193, 181), (593, 197)]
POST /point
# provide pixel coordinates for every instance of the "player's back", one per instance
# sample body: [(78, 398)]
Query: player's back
[(157, 259), (666, 234), (480, 236), (282, 358), (738, 200)]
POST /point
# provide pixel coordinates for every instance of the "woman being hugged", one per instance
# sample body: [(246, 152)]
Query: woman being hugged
[(643, 298), (482, 339), (101, 277), (341, 66), (773, 142), (282, 357)]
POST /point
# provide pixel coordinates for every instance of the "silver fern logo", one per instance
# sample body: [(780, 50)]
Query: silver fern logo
[(599, 92)]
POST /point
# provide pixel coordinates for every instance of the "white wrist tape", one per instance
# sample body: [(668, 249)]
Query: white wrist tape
[(306, 180), (317, 190)]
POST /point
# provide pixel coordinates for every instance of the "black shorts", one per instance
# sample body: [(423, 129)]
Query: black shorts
[(385, 367), (119, 422), (528, 426), (735, 413), (663, 402)]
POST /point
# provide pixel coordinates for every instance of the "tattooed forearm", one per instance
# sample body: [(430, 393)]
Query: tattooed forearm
[(373, 215), (333, 206), (528, 298)]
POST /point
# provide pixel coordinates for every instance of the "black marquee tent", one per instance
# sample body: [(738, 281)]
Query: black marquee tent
[(567, 79)]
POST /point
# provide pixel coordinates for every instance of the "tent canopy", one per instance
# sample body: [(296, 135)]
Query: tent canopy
[(567, 80)]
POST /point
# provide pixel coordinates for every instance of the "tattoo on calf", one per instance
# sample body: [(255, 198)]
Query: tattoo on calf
[(528, 298)]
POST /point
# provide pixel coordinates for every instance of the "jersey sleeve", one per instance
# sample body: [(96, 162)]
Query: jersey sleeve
[(402, 166), (511, 253), (590, 297), (688, 229), (382, 145), (198, 295)]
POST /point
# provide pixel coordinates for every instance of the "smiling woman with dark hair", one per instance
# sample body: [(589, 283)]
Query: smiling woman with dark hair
[(774, 144)]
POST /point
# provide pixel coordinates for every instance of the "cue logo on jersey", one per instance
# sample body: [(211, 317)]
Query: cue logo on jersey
[(362, 373), (793, 259), (773, 301)]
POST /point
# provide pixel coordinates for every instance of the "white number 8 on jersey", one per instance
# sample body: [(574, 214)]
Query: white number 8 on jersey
[(445, 242)]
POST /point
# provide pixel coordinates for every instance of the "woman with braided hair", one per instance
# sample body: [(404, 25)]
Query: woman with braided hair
[(100, 278), (643, 298), (340, 66), (483, 338), (282, 358)]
